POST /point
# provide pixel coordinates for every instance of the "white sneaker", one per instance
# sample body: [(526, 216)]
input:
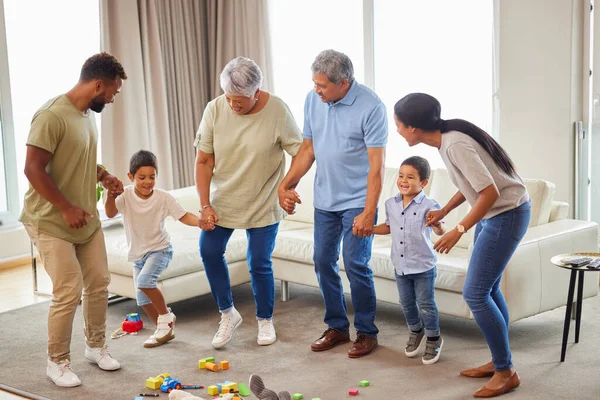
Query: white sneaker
[(165, 329), (266, 332), (102, 357), (61, 374), (229, 322)]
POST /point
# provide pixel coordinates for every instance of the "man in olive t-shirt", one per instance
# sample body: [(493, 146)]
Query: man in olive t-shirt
[(60, 213)]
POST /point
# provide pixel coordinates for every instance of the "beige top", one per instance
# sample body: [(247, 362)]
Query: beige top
[(249, 160), (472, 169), (71, 136)]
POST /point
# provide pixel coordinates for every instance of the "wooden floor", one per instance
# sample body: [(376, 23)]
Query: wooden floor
[(16, 291)]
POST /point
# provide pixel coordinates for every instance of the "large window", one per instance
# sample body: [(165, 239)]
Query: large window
[(439, 47), (47, 46)]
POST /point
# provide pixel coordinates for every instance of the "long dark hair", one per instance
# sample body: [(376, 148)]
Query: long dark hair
[(422, 111)]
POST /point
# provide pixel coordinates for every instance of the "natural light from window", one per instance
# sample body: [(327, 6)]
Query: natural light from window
[(439, 47), (46, 48)]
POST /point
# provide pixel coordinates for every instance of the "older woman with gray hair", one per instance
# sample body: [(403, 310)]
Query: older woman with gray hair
[(240, 153)]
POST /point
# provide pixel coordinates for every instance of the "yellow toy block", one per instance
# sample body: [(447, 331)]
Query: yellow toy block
[(224, 364), (229, 387), (154, 383), (213, 390), (211, 366), (202, 363)]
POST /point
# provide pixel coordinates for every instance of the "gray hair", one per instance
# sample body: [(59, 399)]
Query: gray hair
[(337, 66), (241, 77)]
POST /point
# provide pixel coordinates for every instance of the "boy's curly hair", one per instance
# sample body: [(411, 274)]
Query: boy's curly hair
[(103, 66)]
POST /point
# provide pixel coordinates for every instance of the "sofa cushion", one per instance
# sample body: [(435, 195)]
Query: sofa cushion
[(541, 194)]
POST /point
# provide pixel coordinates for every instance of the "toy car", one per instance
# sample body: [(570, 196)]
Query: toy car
[(170, 384)]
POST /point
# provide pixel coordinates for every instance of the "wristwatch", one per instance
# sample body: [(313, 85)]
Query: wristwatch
[(460, 228)]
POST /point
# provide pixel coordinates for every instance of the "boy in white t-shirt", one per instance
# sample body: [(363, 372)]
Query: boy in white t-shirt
[(144, 211)]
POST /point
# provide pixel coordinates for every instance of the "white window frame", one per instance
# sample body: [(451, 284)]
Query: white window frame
[(9, 218)]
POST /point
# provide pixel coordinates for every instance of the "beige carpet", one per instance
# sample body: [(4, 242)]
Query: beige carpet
[(290, 365)]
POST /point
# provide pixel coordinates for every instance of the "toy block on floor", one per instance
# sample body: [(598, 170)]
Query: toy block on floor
[(202, 363), (364, 383), (154, 383), (213, 390), (211, 366), (210, 359), (297, 396), (224, 365), (244, 391), (353, 392), (229, 387)]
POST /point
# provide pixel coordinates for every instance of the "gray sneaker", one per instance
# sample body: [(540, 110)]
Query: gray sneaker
[(415, 343), (432, 351)]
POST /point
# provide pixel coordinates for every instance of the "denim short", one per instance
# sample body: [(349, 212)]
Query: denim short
[(147, 270)]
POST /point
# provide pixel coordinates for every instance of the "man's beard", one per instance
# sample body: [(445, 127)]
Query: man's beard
[(97, 105)]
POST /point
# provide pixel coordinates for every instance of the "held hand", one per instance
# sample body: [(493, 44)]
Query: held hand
[(113, 184), (363, 224), (434, 216), (437, 224), (447, 242), (288, 198), (76, 217), (208, 219)]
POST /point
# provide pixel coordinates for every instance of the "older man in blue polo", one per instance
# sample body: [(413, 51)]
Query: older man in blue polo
[(345, 132)]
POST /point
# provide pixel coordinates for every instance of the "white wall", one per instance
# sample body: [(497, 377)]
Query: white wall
[(540, 87)]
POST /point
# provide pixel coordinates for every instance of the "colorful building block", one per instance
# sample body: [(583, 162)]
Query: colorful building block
[(202, 363), (213, 390), (210, 359), (154, 383), (229, 387), (211, 366), (365, 383), (244, 391), (353, 392), (315, 398), (297, 396), (224, 364)]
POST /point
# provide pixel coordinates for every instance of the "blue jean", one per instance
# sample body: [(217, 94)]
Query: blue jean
[(147, 270), (496, 240), (261, 242), (330, 228), (417, 289)]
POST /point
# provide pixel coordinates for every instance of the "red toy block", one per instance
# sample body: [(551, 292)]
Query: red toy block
[(353, 392)]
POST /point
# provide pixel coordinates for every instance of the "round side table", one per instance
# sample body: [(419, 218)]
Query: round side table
[(562, 260)]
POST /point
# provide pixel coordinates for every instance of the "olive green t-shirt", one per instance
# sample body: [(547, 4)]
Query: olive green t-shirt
[(71, 136), (249, 160)]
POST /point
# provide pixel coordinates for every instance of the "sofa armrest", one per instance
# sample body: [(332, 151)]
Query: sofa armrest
[(531, 283), (558, 210)]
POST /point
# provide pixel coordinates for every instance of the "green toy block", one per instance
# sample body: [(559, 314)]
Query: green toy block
[(365, 383), (316, 398), (297, 396), (243, 388), (209, 359)]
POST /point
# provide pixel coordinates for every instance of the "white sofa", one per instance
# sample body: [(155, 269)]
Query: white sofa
[(531, 284)]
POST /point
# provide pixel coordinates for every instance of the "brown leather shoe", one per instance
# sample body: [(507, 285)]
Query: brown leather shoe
[(362, 346), (477, 373), (329, 339), (512, 383)]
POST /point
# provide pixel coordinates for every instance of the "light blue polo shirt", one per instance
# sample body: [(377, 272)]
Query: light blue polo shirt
[(412, 249), (341, 133)]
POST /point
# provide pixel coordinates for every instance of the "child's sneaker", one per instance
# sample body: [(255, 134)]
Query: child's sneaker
[(415, 343), (61, 374), (432, 351), (165, 329)]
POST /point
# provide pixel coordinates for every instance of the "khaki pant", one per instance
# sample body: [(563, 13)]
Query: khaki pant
[(74, 268)]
